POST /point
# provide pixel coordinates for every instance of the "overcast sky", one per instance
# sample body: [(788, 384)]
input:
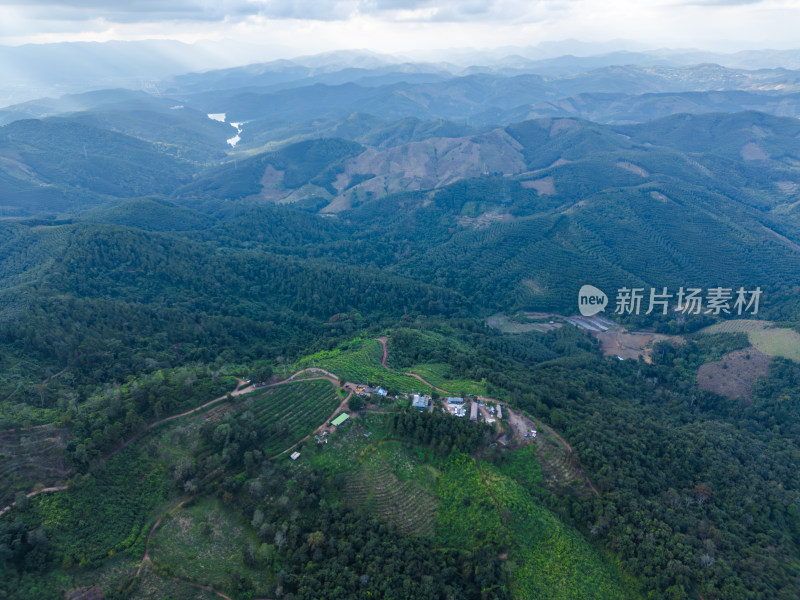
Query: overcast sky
[(402, 25)]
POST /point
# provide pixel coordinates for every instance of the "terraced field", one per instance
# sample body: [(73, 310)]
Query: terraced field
[(406, 503), (561, 470), (360, 362), (291, 411), (217, 412)]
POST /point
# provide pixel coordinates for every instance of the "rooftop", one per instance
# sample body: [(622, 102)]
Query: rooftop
[(340, 419)]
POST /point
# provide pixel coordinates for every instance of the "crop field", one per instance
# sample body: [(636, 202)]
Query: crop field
[(291, 411), (523, 466), (30, 457), (387, 485), (437, 374), (553, 559), (360, 362), (479, 504), (203, 544), (737, 326), (351, 445), (773, 341), (467, 517)]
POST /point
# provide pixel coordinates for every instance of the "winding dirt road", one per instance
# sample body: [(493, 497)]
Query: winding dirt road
[(239, 390)]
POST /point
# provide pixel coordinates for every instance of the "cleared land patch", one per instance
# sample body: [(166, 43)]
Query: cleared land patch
[(29, 457), (629, 166), (544, 187), (507, 324), (203, 543), (752, 151), (734, 375), (561, 471), (777, 342), (629, 344)]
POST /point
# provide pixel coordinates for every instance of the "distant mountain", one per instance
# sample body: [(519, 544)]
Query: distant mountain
[(638, 108), (35, 70), (486, 99), (58, 165), (463, 188), (164, 66), (611, 206)]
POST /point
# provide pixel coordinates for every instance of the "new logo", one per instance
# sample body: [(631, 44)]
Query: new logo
[(591, 301)]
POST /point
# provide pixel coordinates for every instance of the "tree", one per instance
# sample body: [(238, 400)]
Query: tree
[(261, 374), (355, 402), (316, 539)]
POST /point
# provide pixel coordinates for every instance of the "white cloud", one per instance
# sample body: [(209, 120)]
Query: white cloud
[(392, 25)]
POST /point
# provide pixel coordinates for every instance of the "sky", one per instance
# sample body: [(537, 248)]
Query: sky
[(307, 27)]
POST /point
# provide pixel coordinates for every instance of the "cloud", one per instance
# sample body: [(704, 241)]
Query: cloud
[(722, 2), (317, 10), (406, 24), (135, 11)]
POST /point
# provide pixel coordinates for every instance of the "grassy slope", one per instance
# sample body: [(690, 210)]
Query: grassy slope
[(774, 341), (203, 543), (546, 557), (359, 361), (438, 375)]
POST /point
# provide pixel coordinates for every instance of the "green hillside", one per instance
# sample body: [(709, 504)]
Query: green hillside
[(367, 226), (79, 164)]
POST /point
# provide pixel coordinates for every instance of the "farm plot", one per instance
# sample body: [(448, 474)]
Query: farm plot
[(291, 411), (360, 362), (439, 375), (777, 342), (773, 341), (737, 326), (375, 487), (553, 559), (104, 514)]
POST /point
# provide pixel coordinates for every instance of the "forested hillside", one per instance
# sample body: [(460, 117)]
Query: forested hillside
[(338, 357)]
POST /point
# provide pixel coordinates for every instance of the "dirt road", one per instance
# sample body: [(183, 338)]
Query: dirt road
[(47, 490), (321, 428), (236, 392), (383, 341)]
